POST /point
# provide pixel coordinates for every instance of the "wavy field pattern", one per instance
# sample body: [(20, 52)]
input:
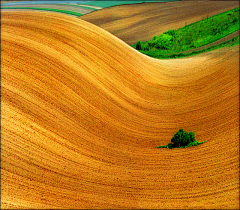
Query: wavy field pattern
[(70, 9), (135, 22), (82, 112)]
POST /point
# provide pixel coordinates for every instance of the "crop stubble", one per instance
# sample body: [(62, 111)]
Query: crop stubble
[(82, 112)]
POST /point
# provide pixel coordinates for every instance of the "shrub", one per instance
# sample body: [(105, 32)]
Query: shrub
[(235, 20), (170, 32), (182, 139), (164, 41), (192, 136), (139, 45), (147, 47)]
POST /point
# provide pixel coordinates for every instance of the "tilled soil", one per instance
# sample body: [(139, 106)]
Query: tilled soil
[(135, 22), (82, 112)]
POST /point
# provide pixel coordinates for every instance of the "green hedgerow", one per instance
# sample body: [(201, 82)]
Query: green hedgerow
[(175, 43)]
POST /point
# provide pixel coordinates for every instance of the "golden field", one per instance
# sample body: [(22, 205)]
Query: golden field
[(82, 112)]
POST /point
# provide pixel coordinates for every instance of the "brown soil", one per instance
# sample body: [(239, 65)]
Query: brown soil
[(82, 112), (132, 23)]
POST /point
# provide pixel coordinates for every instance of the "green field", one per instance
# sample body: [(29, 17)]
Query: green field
[(74, 5), (170, 44), (229, 43), (105, 4), (46, 9)]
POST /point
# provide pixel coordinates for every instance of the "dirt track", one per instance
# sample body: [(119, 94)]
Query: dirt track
[(82, 112), (132, 23)]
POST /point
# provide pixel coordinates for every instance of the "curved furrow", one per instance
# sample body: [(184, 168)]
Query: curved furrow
[(82, 112)]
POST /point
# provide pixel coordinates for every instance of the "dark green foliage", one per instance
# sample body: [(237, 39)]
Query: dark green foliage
[(164, 42), (147, 47), (235, 20), (170, 32), (171, 43), (182, 139), (159, 54), (192, 136), (139, 45)]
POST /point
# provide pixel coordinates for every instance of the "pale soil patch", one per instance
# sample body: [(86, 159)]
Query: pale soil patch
[(90, 6)]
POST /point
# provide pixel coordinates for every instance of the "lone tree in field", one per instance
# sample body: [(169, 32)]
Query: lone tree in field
[(182, 139)]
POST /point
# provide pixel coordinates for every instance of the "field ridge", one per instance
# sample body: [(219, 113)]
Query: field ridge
[(82, 112)]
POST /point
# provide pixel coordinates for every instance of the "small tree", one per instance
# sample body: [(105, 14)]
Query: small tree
[(182, 139), (164, 41)]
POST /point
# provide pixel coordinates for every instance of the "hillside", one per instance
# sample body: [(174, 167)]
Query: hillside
[(132, 23), (193, 36), (82, 112)]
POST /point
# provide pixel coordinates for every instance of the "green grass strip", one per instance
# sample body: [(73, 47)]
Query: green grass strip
[(232, 42), (46, 9), (90, 8), (191, 36)]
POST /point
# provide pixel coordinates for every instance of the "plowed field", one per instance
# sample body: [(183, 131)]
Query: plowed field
[(82, 112), (70, 8), (135, 22)]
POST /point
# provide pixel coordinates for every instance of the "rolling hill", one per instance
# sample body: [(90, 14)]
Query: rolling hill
[(82, 112), (135, 22)]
